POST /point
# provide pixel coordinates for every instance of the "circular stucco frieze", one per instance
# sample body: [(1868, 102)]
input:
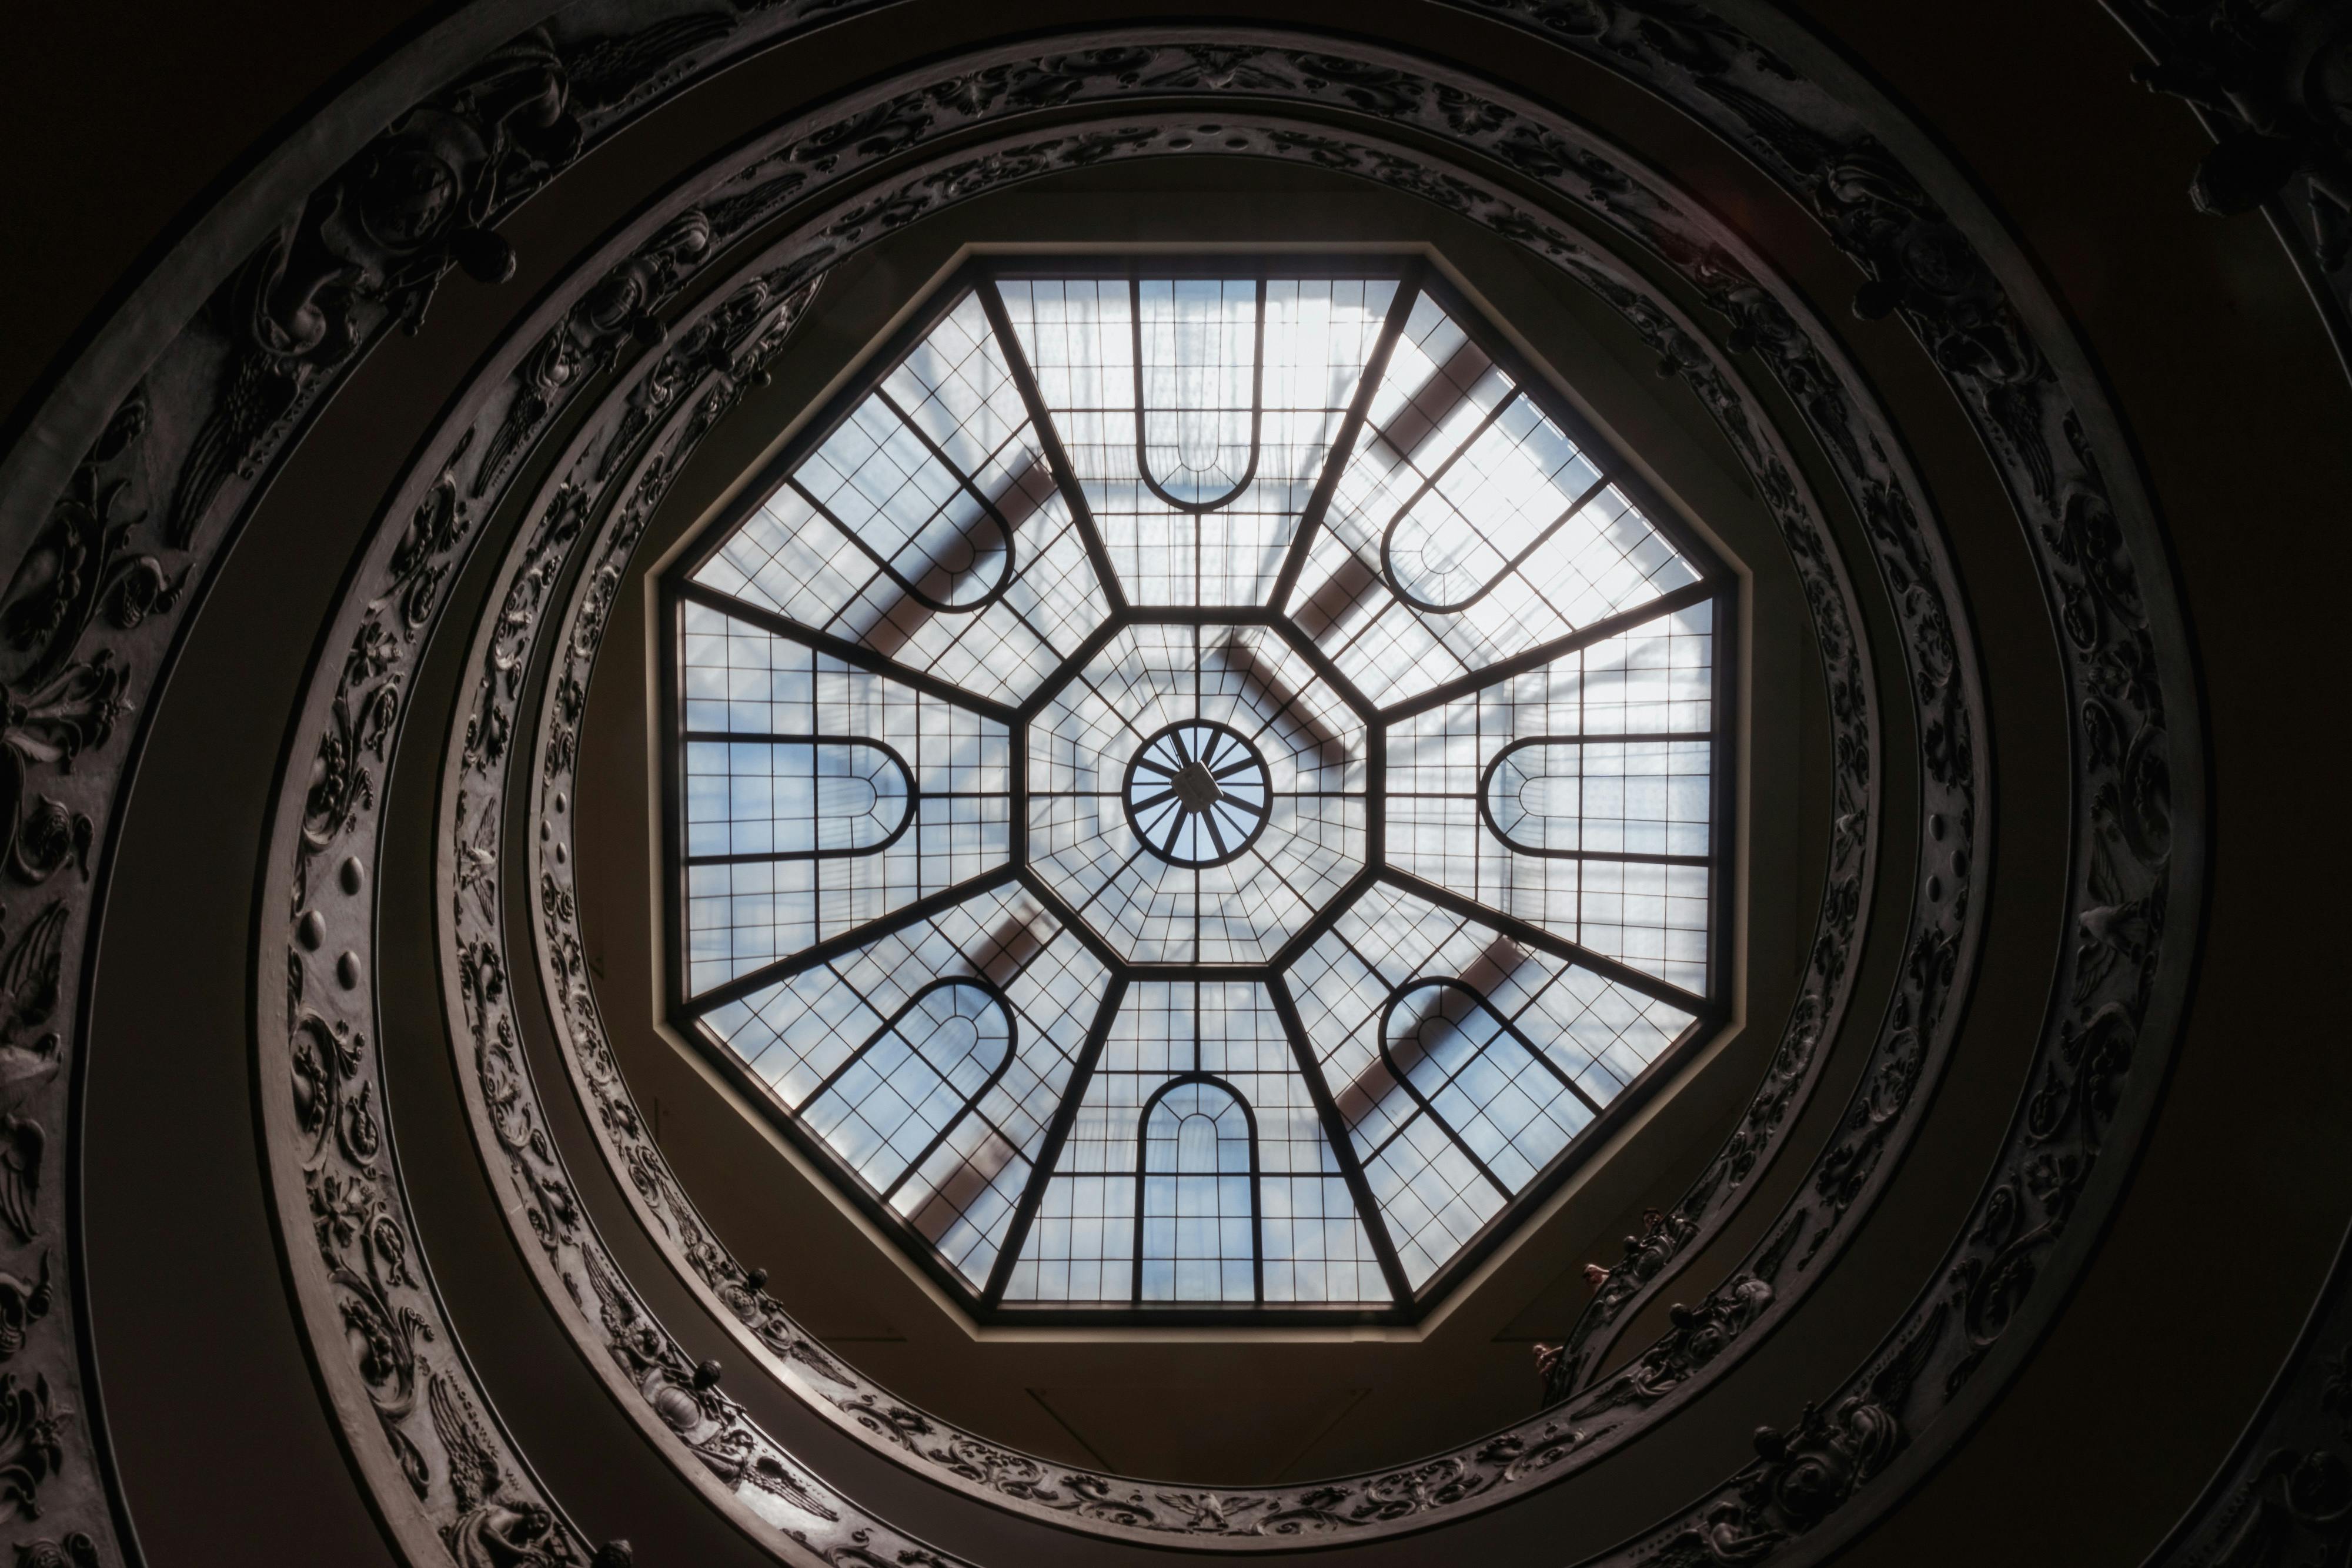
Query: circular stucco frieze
[(1936, 659), (226, 400)]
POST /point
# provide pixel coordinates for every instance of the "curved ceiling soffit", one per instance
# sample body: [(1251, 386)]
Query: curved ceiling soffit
[(2270, 97), (474, 786), (436, 1434), (391, 599), (2285, 1494), (869, 208), (118, 500), (154, 596), (1954, 275), (456, 103), (2271, 92), (1481, 1474), (966, 178)]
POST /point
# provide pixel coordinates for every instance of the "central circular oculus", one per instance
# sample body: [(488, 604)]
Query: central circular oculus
[(1197, 793)]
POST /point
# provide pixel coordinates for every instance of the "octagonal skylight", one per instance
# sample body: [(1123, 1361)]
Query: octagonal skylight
[(1197, 788)]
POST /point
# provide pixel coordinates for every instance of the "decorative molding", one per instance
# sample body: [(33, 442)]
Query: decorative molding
[(86, 611), (2269, 86), (368, 251), (121, 494), (351, 1252), (2138, 830), (664, 1389), (1370, 1502), (385, 1331), (75, 1550), (2284, 1496), (186, 454), (1958, 308)]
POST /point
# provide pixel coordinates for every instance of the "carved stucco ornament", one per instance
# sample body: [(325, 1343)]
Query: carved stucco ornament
[(1957, 305), (1408, 1499), (100, 564), (1979, 353), (469, 1486), (23, 1303), (74, 1550), (369, 248), (1323, 71), (225, 419)]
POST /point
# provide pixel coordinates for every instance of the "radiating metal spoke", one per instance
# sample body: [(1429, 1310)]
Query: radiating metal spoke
[(1219, 806)]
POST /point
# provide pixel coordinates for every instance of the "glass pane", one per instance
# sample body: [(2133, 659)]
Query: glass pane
[(1467, 526), (1534, 797), (1104, 829), (755, 892), (1314, 1247), (803, 1035), (927, 528), (1427, 1026), (1201, 507)]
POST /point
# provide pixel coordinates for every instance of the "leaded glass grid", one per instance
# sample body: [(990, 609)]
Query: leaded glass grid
[(1199, 789)]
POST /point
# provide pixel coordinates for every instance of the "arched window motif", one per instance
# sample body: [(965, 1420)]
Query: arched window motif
[(794, 797), (1500, 1109), (1510, 487), (1196, 1195), (1198, 408), (901, 1094), (907, 479), (1637, 796), (1199, 366)]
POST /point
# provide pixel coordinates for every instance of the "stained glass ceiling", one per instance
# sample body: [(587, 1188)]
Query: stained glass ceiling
[(1197, 790)]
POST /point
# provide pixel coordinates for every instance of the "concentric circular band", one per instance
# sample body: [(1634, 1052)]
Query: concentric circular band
[(2131, 770)]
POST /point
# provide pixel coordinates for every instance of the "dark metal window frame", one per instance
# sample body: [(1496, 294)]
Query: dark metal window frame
[(1645, 737), (1716, 585), (913, 797), (1142, 409), (1403, 1076)]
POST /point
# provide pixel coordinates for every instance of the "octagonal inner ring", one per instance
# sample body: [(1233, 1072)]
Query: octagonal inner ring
[(1233, 879)]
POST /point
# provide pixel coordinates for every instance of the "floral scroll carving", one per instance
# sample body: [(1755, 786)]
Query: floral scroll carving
[(94, 577), (1411, 1498), (2270, 83), (369, 248), (75, 1549), (32, 1443), (1924, 271), (114, 545), (732, 339), (87, 619)]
